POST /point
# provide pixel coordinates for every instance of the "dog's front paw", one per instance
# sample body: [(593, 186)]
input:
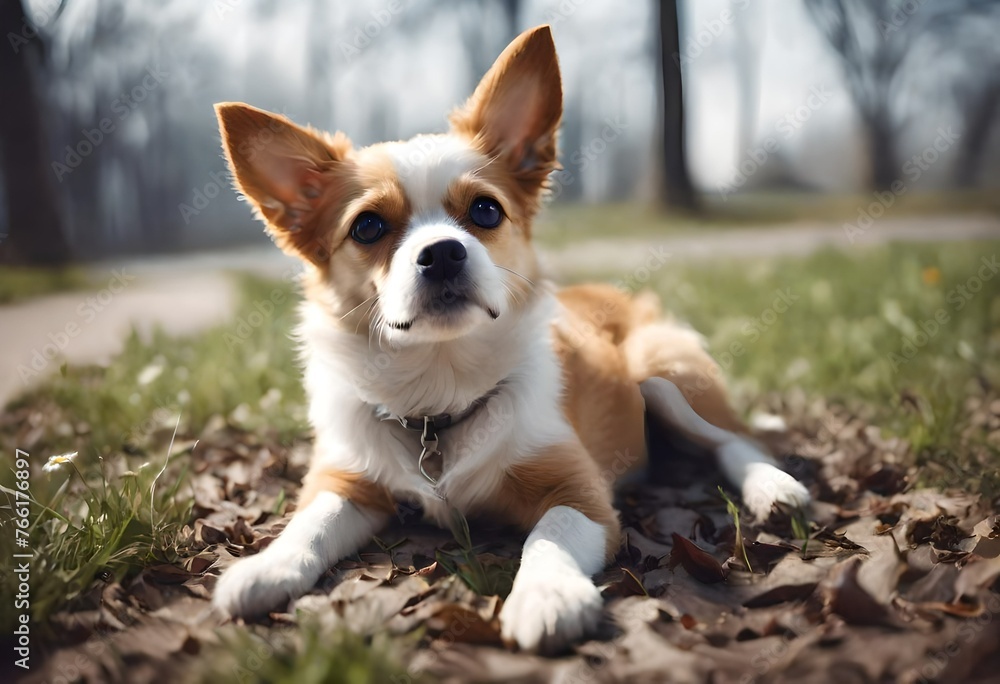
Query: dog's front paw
[(765, 485), (262, 583), (548, 613)]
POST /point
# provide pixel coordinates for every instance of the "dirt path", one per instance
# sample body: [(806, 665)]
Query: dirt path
[(189, 293), (183, 295), (797, 239)]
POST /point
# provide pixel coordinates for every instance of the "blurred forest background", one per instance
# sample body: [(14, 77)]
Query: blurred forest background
[(109, 142)]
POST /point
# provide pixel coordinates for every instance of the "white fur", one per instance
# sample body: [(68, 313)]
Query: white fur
[(427, 164), (761, 483), (553, 601), (328, 529), (759, 480), (346, 377), (426, 167), (665, 400), (396, 300)]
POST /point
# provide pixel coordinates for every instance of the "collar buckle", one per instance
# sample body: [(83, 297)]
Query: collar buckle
[(429, 444), (429, 426)]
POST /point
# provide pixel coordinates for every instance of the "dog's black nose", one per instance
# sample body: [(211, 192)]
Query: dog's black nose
[(442, 260)]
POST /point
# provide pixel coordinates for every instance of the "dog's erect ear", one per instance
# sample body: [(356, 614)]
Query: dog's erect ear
[(516, 108), (293, 175)]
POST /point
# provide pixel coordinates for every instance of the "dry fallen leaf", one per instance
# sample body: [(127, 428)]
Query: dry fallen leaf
[(699, 564)]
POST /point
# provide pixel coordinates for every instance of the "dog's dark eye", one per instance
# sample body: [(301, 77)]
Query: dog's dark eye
[(369, 227), (485, 212)]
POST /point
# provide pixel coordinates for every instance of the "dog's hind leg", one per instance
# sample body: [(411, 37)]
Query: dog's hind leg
[(761, 483), (664, 358)]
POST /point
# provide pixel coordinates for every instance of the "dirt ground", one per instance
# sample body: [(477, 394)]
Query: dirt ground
[(892, 584)]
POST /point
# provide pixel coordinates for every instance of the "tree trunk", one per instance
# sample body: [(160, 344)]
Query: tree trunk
[(747, 66), (981, 116), (677, 189), (33, 217), (885, 167)]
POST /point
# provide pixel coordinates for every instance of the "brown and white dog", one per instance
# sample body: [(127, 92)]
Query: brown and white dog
[(442, 370)]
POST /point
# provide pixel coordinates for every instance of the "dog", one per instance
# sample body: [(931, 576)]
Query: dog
[(442, 370)]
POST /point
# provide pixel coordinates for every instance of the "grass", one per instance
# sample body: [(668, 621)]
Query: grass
[(564, 223), (833, 336), (243, 373), (494, 578), (94, 526), (897, 330), (18, 283), (101, 514), (314, 654)]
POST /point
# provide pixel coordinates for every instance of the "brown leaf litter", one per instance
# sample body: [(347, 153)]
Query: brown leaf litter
[(892, 584)]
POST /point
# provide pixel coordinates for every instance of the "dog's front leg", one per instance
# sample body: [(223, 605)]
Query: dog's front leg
[(327, 527), (554, 601)]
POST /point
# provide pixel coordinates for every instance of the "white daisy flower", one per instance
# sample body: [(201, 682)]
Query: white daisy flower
[(56, 462)]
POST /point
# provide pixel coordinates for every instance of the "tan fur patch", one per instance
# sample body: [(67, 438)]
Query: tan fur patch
[(600, 400), (612, 340), (513, 116), (352, 486), (669, 351), (561, 475), (297, 178)]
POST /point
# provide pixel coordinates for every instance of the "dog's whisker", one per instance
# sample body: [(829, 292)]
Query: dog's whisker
[(367, 313), (524, 278), (510, 291), (374, 296), (517, 294), (373, 328), (381, 331)]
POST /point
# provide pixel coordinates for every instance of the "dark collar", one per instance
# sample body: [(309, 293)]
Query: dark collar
[(428, 427), (441, 421)]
